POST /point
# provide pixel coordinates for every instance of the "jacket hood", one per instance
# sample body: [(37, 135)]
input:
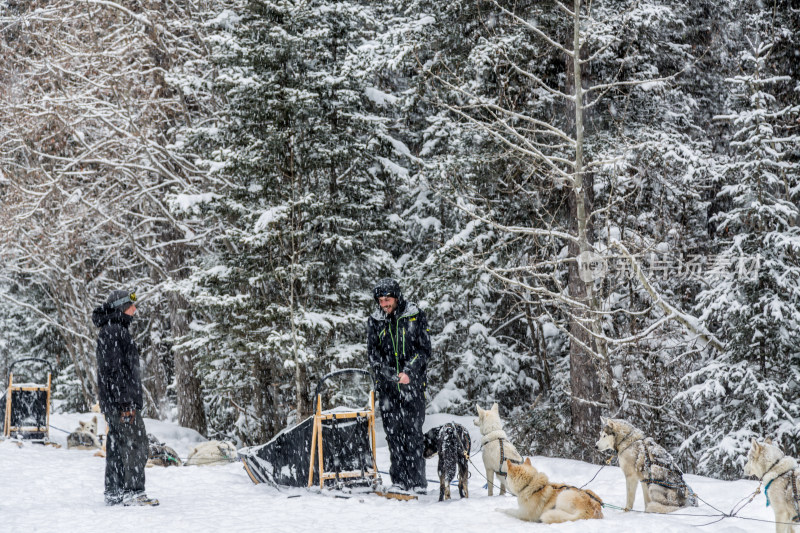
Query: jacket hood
[(105, 314)]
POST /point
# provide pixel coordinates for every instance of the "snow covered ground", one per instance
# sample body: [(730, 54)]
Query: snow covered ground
[(48, 489)]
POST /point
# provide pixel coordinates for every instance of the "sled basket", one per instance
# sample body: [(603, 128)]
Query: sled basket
[(333, 448), (25, 407)]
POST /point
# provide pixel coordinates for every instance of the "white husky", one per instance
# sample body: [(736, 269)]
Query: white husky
[(84, 437), (781, 477), (496, 447), (644, 461), (213, 452)]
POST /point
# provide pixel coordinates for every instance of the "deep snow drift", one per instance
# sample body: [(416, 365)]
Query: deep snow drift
[(49, 489)]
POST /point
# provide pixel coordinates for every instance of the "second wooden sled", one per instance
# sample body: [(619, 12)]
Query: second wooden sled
[(333, 449)]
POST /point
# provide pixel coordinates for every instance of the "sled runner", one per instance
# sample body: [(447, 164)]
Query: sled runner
[(26, 407), (334, 448)]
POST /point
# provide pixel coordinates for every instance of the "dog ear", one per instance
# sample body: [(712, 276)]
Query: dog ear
[(495, 408), (603, 420), (82, 424), (768, 440), (528, 461), (754, 444), (480, 411), (94, 420)]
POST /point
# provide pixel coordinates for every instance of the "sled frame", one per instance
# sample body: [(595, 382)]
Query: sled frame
[(316, 443), (8, 430)]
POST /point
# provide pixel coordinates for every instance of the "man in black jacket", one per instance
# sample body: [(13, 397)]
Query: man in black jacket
[(119, 387), (398, 346)]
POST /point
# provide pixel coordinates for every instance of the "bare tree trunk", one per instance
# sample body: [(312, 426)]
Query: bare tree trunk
[(303, 408), (191, 413), (584, 379), (538, 345), (189, 388)]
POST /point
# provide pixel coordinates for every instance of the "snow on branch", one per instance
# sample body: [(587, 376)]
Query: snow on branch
[(535, 30), (689, 322)]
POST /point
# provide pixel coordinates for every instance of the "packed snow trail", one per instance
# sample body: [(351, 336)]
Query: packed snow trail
[(47, 489)]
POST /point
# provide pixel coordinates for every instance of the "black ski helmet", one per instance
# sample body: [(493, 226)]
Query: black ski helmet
[(121, 299), (387, 287)]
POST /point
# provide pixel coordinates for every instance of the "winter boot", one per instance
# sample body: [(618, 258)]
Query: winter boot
[(113, 499), (140, 500)]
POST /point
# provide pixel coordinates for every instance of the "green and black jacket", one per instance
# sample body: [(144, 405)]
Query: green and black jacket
[(397, 343)]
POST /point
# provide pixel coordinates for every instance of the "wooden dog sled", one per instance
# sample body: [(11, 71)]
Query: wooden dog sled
[(333, 449), (26, 407)]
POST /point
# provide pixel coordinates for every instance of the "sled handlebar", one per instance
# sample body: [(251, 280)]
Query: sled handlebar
[(37, 359), (339, 372)]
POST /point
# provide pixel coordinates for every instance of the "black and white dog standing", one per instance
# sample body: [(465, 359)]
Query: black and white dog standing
[(452, 443)]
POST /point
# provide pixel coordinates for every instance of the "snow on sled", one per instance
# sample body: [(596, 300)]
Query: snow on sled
[(334, 448), (25, 407)]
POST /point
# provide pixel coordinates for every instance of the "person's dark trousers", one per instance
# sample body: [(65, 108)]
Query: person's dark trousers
[(403, 413), (126, 457)]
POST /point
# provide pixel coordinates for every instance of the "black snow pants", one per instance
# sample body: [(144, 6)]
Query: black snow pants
[(126, 457), (403, 413)]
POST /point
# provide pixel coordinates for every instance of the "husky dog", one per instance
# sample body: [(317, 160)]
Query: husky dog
[(159, 454), (84, 437), (542, 501), (644, 461), (782, 477), (213, 452), (496, 447), (452, 443)]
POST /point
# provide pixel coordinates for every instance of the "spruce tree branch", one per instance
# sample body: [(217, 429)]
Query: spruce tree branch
[(632, 82)]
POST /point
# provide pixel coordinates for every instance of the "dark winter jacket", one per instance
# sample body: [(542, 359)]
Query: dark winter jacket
[(397, 343), (119, 383)]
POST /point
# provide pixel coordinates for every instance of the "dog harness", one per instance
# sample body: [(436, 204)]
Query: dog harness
[(503, 458), (649, 462), (569, 487), (589, 494), (767, 471), (793, 481), (464, 448)]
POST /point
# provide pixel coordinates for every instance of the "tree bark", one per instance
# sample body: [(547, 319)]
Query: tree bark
[(189, 388), (584, 380)]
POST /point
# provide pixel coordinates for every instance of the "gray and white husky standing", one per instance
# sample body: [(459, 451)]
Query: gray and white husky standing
[(495, 446), (781, 477), (644, 461)]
